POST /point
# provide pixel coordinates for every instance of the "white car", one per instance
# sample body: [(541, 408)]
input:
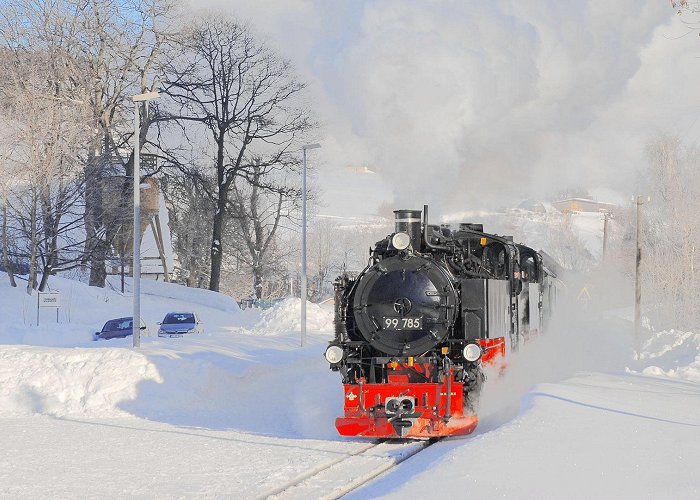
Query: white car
[(177, 324)]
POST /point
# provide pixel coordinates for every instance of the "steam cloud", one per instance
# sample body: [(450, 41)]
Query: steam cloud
[(474, 104)]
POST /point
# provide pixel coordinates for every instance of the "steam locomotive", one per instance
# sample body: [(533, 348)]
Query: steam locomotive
[(416, 328)]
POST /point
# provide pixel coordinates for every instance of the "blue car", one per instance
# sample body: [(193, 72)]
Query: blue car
[(177, 324), (117, 328)]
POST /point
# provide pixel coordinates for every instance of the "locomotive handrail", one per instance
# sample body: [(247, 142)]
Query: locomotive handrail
[(448, 401), (426, 225)]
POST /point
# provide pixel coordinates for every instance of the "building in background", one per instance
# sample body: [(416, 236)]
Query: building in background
[(582, 205)]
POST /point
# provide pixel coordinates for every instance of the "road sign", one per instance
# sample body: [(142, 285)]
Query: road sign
[(47, 299)]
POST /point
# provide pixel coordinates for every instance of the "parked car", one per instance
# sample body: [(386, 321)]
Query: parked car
[(118, 328), (177, 324)]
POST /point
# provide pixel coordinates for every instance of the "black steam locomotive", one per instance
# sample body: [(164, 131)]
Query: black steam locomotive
[(416, 327)]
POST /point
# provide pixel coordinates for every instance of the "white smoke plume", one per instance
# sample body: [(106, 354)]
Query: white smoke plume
[(472, 104)]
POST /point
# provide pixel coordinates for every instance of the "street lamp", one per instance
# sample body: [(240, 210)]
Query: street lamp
[(136, 264), (303, 247)]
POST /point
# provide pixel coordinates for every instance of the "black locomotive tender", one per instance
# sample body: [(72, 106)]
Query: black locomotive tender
[(447, 300)]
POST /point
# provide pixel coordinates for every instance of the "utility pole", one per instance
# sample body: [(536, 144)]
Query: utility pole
[(606, 218), (637, 282), (136, 262), (303, 247), (136, 257)]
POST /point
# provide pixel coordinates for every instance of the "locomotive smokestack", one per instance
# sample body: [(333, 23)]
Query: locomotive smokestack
[(408, 221)]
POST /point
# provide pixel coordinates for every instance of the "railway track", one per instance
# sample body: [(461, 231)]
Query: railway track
[(345, 474)]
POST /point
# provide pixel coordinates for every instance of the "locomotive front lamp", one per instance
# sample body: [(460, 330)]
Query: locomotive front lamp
[(401, 241), (334, 354), (472, 352)]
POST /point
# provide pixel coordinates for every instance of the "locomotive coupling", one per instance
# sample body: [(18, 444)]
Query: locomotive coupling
[(399, 406), (400, 411)]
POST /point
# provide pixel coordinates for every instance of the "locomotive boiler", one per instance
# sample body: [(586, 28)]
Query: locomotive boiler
[(416, 328)]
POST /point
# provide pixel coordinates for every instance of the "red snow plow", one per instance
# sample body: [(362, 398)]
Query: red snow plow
[(405, 410)]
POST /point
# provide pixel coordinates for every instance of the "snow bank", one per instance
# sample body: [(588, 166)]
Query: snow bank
[(673, 354), (58, 382), (198, 296), (286, 317), (211, 380), (85, 309), (592, 436)]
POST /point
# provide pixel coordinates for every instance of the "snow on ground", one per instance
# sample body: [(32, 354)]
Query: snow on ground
[(40, 380), (673, 354), (242, 409), (85, 309), (575, 416), (591, 436), (286, 317), (238, 409)]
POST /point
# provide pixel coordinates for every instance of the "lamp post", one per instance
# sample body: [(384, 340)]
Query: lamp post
[(637, 281), (606, 219), (136, 264), (303, 247)]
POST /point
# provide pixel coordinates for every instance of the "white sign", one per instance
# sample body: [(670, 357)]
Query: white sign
[(49, 299)]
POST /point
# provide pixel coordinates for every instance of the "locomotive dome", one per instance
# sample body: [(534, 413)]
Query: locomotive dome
[(404, 305)]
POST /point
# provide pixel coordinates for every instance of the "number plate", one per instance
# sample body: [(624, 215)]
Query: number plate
[(394, 323)]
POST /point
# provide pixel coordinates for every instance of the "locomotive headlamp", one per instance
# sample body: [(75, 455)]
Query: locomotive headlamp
[(334, 354), (401, 241), (472, 352)]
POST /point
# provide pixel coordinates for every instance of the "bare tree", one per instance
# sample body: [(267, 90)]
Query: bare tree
[(6, 180), (326, 256), (41, 90), (682, 5), (119, 43), (190, 215), (672, 234), (9, 267), (257, 212), (246, 101), (112, 49)]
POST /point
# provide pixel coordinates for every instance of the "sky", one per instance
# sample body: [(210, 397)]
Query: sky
[(479, 105)]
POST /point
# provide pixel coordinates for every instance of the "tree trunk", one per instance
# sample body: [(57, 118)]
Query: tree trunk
[(216, 248), (51, 222), (218, 229), (5, 254), (257, 280), (31, 282), (95, 247), (45, 274)]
